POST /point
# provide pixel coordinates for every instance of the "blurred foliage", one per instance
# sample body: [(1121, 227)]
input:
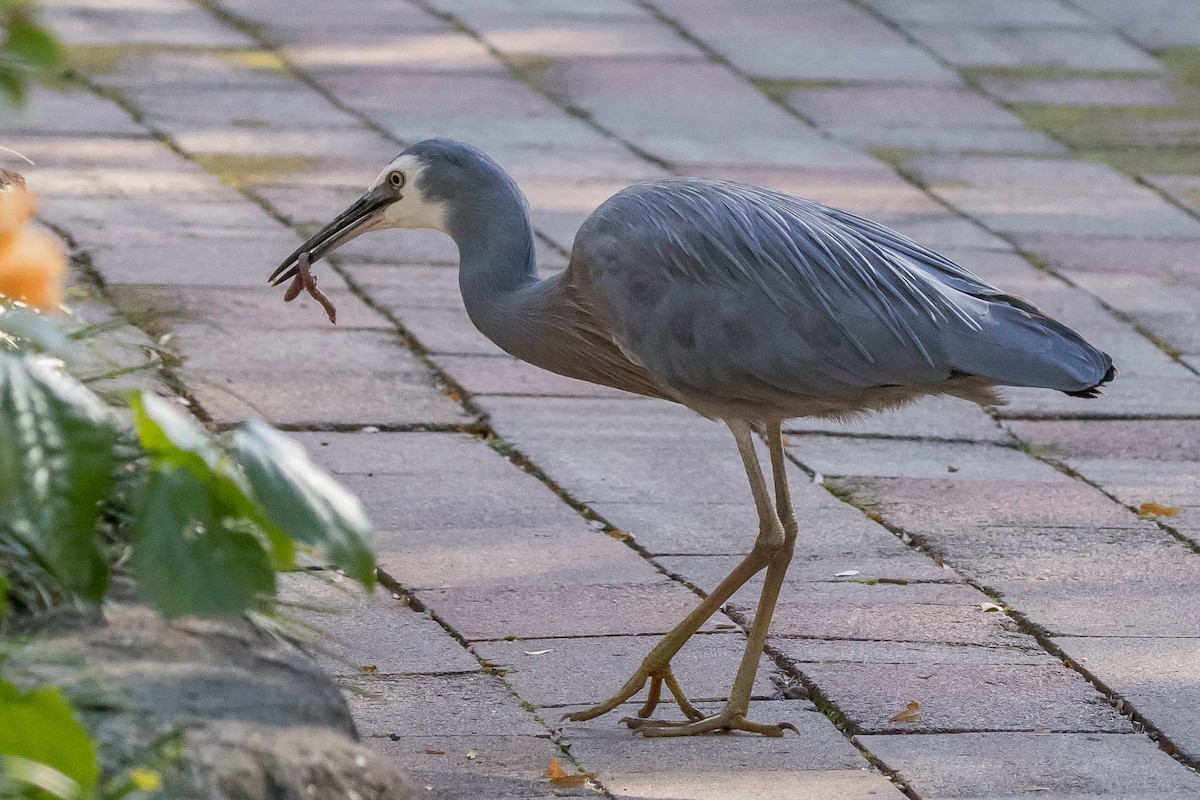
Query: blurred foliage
[(28, 51), (202, 521)]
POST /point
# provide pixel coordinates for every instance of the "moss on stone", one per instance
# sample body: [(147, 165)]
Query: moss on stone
[(257, 60), (241, 170), (1137, 140), (778, 89)]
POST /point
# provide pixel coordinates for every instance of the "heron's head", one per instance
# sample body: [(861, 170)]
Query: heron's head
[(438, 183)]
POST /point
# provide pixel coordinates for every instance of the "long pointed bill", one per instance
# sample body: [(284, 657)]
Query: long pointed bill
[(355, 220)]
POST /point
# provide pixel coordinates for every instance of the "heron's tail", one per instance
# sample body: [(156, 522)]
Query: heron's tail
[(1018, 345)]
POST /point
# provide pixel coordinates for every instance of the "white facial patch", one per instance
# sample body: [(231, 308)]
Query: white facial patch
[(412, 210)]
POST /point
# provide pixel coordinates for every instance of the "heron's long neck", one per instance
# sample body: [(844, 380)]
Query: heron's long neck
[(498, 276)]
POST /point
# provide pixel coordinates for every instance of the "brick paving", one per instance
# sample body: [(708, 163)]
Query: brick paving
[(200, 140)]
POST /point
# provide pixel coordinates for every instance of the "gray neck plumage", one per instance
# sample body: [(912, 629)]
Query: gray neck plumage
[(497, 275)]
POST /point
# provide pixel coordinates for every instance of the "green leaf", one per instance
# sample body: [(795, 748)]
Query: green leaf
[(171, 436), (40, 730), (32, 327), (56, 464), (186, 556), (5, 608), (32, 44), (304, 502)]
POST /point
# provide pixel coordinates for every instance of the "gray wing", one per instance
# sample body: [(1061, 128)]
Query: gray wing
[(715, 285)]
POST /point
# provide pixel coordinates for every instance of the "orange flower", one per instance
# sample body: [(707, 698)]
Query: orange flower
[(16, 209), (32, 265)]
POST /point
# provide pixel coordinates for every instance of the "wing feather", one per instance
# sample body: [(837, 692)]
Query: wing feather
[(883, 308)]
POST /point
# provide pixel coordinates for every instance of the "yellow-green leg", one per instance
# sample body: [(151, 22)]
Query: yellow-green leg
[(772, 549), (733, 716)]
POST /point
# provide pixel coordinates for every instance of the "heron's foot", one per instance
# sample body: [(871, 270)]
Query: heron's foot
[(658, 677), (725, 722)]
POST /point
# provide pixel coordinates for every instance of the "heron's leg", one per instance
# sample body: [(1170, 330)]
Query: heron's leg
[(733, 716), (656, 667)]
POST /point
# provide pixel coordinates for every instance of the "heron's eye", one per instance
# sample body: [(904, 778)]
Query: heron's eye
[(396, 179)]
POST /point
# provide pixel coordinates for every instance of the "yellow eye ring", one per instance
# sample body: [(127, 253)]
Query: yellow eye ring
[(396, 179)]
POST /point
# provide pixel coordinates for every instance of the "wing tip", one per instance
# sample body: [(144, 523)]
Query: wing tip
[(1094, 390)]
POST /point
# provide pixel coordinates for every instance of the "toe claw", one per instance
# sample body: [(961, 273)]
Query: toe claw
[(787, 726)]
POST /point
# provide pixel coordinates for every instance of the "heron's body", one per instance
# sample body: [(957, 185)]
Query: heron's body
[(745, 304)]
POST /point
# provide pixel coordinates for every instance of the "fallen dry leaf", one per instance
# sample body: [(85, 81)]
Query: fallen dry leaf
[(537, 652), (846, 573), (368, 668), (429, 751), (990, 607), (911, 713), (1155, 510), (560, 777), (472, 754)]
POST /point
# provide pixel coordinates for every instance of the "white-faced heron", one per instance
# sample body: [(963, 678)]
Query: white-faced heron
[(747, 305)]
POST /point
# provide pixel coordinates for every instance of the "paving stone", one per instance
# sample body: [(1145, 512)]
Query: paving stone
[(476, 558), (604, 38), (949, 140), (814, 41), (247, 309), (142, 67), (1153, 440), (981, 13), (662, 117), (218, 257), (600, 745), (871, 189), (1066, 765), (911, 622), (508, 376), (276, 350), (1069, 48), (1160, 306), (1013, 194), (166, 22), (854, 594), (446, 332), (1158, 676), (366, 50), (758, 785), (810, 565), (1173, 259), (966, 698), (1131, 396), (1155, 24), (563, 611), (829, 529), (439, 482), (821, 651), (846, 455), (1141, 92), (355, 629), (937, 506), (435, 503), (289, 107), (933, 107), (562, 672), (1137, 481), (496, 767), (929, 418), (1063, 556), (69, 112), (471, 704), (316, 397), (1151, 606), (811, 765)]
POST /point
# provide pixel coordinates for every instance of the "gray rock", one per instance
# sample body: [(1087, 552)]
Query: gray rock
[(258, 718)]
